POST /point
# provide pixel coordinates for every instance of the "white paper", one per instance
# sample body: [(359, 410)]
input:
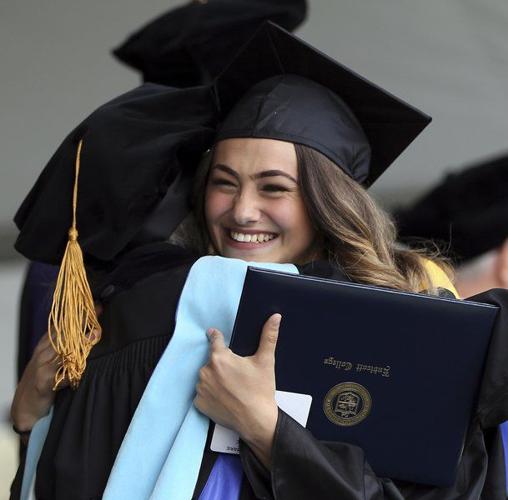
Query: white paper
[(296, 405)]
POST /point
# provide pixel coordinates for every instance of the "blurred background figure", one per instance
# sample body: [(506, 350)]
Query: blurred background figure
[(489, 270), (466, 216)]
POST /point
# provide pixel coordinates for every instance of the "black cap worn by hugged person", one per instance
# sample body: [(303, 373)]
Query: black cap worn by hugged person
[(135, 156), (141, 149), (467, 212), (192, 44), (138, 157)]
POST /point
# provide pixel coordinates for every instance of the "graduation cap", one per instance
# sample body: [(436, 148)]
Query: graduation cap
[(280, 87), (139, 153), (468, 211), (192, 44)]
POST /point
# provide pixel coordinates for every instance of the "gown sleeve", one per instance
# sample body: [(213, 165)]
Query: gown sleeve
[(303, 468)]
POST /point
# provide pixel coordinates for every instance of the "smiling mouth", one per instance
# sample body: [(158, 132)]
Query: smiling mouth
[(251, 237)]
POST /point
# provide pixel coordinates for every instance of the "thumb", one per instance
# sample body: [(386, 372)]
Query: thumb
[(269, 336), (216, 339)]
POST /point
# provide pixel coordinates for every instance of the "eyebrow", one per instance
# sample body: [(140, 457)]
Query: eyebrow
[(259, 175)]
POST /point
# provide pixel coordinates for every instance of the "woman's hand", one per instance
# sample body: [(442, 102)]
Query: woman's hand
[(239, 393), (34, 394)]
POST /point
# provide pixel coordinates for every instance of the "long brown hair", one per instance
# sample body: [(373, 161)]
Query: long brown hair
[(353, 233)]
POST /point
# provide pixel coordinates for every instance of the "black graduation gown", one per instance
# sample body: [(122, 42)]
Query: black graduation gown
[(140, 302)]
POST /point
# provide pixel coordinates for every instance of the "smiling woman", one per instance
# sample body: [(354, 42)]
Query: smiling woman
[(253, 203)]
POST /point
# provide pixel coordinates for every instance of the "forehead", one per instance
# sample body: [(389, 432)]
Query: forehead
[(251, 155)]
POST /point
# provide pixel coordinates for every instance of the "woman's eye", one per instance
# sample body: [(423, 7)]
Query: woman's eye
[(274, 188), (222, 182)]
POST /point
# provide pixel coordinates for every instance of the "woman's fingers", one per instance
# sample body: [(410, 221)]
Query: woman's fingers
[(268, 340), (43, 344), (238, 392), (47, 355), (34, 394), (95, 335)]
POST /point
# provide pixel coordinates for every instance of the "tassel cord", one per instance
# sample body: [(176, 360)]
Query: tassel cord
[(73, 327)]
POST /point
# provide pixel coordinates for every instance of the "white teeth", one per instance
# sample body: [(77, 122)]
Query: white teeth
[(251, 238)]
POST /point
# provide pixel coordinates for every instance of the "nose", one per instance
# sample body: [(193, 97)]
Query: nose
[(246, 208)]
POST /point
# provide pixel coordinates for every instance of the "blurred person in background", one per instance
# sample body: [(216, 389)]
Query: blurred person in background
[(466, 215)]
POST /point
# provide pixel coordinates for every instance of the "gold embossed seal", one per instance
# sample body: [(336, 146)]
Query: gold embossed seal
[(347, 404)]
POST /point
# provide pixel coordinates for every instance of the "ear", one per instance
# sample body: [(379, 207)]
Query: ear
[(502, 264)]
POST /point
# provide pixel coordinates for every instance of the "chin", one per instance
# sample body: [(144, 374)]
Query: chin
[(251, 257)]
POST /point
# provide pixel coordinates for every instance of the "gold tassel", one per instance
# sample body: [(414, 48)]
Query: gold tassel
[(73, 327)]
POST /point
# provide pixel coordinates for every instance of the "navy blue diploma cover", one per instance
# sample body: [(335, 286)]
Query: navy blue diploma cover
[(392, 372)]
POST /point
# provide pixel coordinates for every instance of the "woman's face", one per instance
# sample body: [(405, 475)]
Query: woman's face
[(253, 206)]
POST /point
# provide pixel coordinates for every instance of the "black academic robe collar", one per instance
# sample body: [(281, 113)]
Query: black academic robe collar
[(148, 259)]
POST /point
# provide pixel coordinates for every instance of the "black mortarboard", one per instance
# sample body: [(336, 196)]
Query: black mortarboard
[(290, 91), (467, 212), (192, 44), (138, 150)]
